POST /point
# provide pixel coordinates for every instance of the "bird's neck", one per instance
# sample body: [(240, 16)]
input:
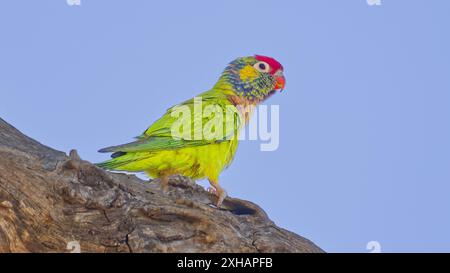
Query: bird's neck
[(243, 104), (245, 96)]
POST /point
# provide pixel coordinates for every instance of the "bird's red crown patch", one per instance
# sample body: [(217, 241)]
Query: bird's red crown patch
[(274, 64)]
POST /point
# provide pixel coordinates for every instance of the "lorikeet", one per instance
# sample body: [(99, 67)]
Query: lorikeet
[(160, 153)]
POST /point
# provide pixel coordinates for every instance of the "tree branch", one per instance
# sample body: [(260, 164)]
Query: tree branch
[(50, 202)]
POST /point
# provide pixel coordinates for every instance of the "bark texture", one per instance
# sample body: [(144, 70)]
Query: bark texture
[(51, 202)]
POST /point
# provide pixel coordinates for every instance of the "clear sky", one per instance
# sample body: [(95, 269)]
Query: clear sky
[(364, 149)]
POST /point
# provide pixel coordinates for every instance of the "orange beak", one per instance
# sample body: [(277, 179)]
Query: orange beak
[(280, 82)]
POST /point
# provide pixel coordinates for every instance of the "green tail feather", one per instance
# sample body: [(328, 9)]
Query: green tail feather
[(112, 164), (118, 159), (121, 161)]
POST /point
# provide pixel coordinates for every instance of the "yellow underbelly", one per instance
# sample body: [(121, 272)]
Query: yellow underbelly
[(198, 162)]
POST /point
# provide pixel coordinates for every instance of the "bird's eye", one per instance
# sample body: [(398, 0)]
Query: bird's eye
[(262, 67)]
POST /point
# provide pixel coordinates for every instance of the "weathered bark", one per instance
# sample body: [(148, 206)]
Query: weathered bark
[(49, 202)]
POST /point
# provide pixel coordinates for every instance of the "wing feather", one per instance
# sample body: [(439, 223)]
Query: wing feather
[(159, 135)]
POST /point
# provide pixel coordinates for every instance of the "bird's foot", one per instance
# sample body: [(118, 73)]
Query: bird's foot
[(211, 190), (220, 197), (164, 184), (219, 192)]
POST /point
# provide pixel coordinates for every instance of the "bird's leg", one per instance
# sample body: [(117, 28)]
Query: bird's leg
[(217, 191), (164, 183)]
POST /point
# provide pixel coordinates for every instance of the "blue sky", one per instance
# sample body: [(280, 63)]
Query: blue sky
[(364, 120)]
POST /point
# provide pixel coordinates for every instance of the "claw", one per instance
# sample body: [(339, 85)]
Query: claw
[(165, 184), (217, 191), (222, 195)]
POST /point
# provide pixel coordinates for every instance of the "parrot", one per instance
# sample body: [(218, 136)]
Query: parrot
[(161, 152)]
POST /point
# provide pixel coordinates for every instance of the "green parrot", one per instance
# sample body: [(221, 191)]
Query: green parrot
[(199, 137)]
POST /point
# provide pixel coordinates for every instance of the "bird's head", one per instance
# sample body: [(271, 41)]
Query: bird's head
[(254, 78)]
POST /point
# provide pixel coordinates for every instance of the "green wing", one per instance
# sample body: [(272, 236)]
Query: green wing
[(160, 135)]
